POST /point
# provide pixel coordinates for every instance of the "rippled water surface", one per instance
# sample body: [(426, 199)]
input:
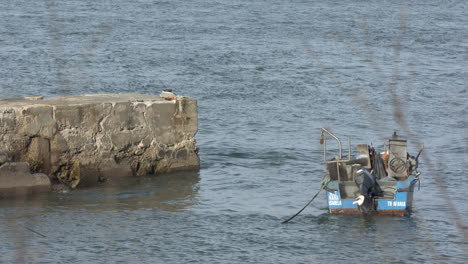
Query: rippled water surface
[(267, 76)]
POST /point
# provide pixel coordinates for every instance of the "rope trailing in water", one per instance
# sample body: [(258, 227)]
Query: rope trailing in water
[(325, 180), (291, 218)]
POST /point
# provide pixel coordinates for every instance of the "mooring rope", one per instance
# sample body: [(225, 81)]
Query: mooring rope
[(291, 218), (323, 185)]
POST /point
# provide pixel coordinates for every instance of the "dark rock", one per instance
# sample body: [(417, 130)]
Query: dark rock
[(3, 158), (60, 188)]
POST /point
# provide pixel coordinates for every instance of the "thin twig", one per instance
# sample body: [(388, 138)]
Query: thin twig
[(32, 230)]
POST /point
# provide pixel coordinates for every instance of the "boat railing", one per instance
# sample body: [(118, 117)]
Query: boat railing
[(339, 159), (323, 141)]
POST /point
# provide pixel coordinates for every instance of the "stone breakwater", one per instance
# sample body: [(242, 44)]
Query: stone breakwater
[(82, 140)]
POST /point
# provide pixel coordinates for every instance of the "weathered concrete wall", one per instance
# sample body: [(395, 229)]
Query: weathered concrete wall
[(79, 140)]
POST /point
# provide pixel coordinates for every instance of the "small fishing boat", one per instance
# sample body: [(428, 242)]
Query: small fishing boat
[(370, 182)]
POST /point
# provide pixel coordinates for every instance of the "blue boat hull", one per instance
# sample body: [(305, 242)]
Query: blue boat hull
[(400, 205)]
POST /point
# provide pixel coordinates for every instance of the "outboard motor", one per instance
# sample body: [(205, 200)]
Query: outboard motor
[(368, 188)]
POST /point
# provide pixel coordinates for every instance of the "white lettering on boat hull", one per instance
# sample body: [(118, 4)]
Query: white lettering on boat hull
[(396, 203), (334, 199)]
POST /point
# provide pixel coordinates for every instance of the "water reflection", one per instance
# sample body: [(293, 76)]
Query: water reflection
[(107, 211), (168, 192)]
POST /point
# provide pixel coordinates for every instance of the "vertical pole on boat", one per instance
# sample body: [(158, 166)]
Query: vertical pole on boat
[(325, 151), (349, 148), (338, 171), (324, 142)]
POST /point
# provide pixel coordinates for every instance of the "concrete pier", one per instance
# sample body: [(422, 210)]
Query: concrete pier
[(82, 140)]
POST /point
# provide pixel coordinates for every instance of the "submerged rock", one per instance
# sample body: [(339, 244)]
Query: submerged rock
[(16, 179), (3, 158), (60, 188)]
